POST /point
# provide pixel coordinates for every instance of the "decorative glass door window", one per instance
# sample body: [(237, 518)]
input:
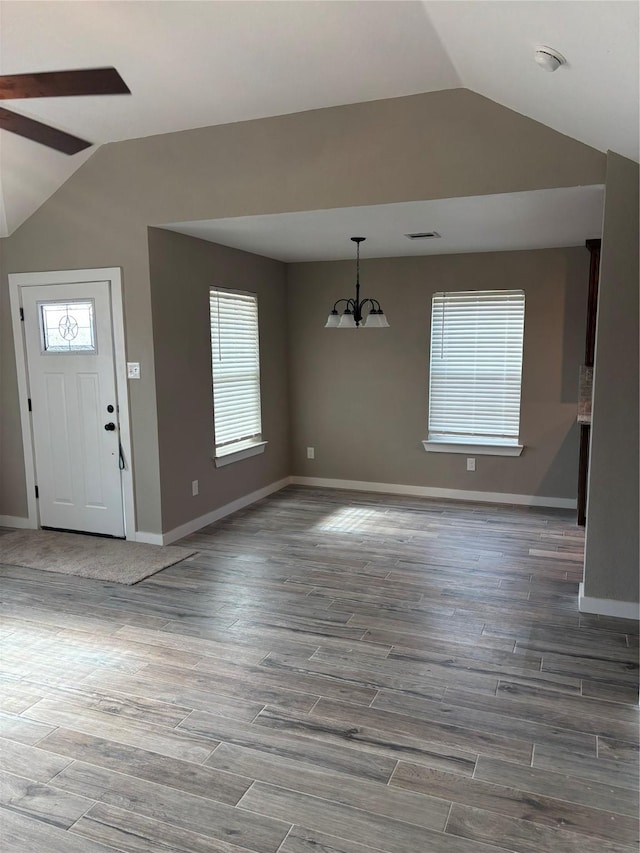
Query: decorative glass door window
[(68, 327)]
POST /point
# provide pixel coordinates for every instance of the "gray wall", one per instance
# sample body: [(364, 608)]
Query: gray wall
[(85, 233), (612, 560), (436, 145), (360, 397), (182, 271), (12, 480)]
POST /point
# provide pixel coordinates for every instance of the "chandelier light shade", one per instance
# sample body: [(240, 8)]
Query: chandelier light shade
[(352, 315)]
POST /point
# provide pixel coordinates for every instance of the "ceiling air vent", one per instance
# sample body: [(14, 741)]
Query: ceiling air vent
[(422, 235)]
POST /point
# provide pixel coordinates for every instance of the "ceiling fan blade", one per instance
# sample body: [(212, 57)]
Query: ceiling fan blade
[(53, 84), (42, 133)]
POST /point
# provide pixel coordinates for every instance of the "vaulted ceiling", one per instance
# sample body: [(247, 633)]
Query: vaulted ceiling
[(194, 64)]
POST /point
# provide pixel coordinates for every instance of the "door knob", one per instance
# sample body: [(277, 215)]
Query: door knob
[(110, 426)]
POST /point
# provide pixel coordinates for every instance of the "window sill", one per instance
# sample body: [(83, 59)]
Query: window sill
[(235, 455), (471, 447)]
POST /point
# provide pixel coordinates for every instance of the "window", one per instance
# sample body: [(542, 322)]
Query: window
[(68, 327), (235, 361), (476, 372)]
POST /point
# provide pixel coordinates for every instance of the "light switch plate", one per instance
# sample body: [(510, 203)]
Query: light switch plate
[(133, 370)]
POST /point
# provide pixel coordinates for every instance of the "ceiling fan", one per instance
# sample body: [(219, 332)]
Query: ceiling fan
[(55, 84)]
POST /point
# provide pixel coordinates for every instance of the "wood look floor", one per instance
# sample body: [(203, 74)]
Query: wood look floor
[(332, 672)]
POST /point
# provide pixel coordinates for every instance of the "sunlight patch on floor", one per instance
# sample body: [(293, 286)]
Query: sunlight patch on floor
[(352, 519)]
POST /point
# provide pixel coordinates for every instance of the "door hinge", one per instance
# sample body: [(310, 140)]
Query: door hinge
[(29, 404), (22, 314), (37, 493)]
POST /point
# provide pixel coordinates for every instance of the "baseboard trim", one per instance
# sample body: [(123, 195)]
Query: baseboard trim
[(15, 521), (432, 492), (217, 514), (607, 606), (148, 538)]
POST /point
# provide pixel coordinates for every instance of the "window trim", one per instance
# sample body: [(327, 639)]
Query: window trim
[(235, 454), (480, 448)]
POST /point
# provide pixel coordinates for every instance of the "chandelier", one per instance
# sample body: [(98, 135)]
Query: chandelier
[(351, 318)]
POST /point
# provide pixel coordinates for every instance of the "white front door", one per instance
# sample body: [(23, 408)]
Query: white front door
[(70, 365)]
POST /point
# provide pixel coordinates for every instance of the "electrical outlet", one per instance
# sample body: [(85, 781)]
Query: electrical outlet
[(471, 463), (133, 370), (194, 487), (311, 453)]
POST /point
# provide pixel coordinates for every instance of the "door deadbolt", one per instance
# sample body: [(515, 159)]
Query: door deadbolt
[(110, 408)]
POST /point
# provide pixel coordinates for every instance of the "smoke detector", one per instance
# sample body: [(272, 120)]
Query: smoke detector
[(548, 58)]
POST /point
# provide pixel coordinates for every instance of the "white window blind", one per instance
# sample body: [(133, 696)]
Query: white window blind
[(476, 366), (235, 360)]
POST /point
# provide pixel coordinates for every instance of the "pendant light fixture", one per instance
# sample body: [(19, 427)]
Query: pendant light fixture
[(351, 318)]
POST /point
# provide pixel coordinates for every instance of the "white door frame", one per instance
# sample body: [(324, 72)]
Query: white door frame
[(30, 279)]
